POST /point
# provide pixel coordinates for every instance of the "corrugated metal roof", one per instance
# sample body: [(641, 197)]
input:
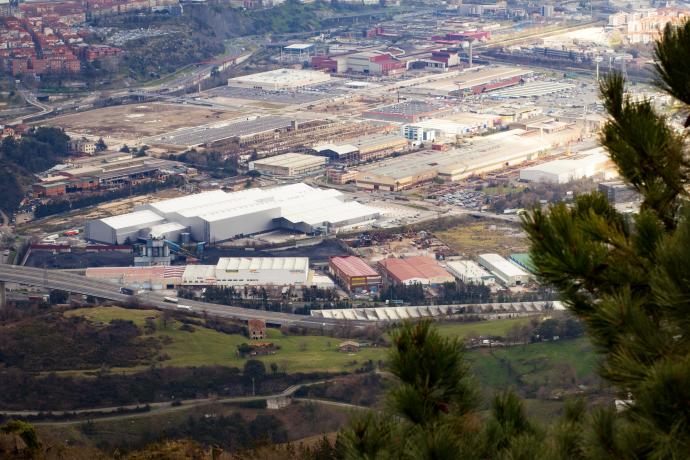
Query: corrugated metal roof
[(467, 268), (202, 274), (262, 263), (332, 212), (416, 267), (189, 201), (342, 149), (132, 219), (353, 266), (291, 160), (500, 263), (127, 275), (161, 229)]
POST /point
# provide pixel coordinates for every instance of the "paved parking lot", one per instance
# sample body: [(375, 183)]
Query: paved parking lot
[(303, 96)]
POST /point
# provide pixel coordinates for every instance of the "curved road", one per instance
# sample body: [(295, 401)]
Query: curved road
[(157, 408), (78, 284)]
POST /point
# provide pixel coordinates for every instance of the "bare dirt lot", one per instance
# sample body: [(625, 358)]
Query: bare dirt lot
[(138, 120), (474, 238)]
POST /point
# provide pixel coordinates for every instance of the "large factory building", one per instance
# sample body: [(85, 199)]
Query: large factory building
[(217, 216), (262, 271), (229, 271), (354, 274), (588, 164), (414, 270), (508, 273), (288, 164), (117, 229)]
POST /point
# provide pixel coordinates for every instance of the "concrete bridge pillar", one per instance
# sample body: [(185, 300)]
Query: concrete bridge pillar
[(3, 299)]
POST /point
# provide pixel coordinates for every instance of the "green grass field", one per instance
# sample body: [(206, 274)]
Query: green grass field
[(206, 347), (562, 363), (535, 364), (498, 328)]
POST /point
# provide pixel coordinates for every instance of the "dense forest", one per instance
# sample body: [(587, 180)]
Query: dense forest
[(53, 342), (37, 150)]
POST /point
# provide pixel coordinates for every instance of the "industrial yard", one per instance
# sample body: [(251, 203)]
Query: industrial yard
[(226, 227), (389, 166), (138, 120)]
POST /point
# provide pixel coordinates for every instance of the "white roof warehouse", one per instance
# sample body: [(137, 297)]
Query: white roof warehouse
[(217, 216)]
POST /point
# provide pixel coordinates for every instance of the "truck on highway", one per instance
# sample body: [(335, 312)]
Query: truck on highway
[(126, 291), (185, 307), (171, 299)]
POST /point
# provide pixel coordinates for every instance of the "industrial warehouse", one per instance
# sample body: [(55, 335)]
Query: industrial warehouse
[(414, 270), (470, 272), (508, 273), (363, 149), (218, 216), (288, 164), (481, 155), (354, 274), (587, 164), (470, 81), (229, 271)]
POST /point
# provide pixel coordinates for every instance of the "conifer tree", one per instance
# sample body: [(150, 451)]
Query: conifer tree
[(430, 412), (628, 277)]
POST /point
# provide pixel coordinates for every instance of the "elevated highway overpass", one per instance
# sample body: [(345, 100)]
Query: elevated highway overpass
[(79, 284)]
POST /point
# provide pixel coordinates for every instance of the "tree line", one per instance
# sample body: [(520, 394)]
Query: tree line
[(57, 206), (38, 149)]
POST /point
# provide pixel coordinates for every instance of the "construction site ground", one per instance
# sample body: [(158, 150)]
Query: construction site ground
[(472, 238), (139, 120)]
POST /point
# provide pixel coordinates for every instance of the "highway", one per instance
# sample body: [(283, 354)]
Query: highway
[(31, 99), (78, 284)]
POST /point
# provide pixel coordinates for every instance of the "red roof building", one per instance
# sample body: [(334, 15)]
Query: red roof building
[(324, 63), (414, 270), (354, 274)]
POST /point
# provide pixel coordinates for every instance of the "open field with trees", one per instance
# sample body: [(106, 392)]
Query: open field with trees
[(229, 426), (498, 328), (201, 346), (139, 356)]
